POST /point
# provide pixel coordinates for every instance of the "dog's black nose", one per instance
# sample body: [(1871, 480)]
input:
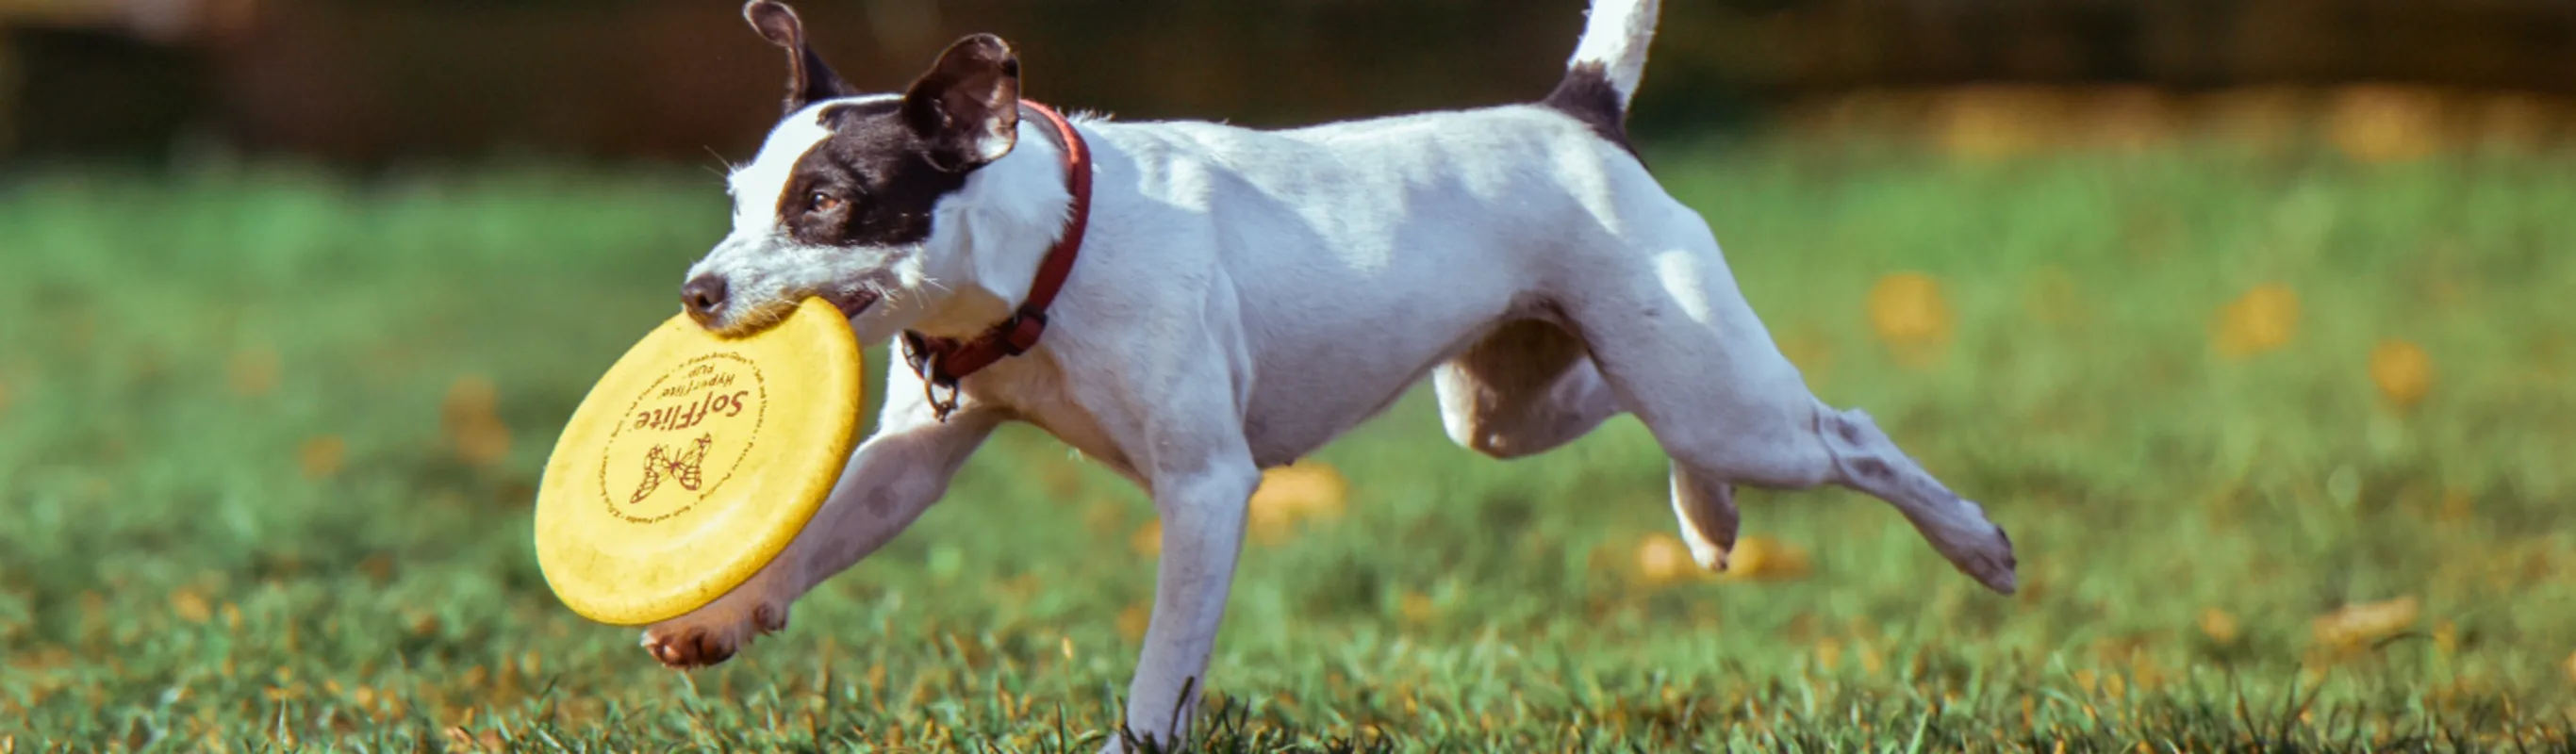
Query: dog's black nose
[(703, 297)]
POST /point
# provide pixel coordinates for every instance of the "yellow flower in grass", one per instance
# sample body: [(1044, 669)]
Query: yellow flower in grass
[(1663, 559), (1295, 493), (472, 421), (2402, 372), (1148, 539), (1908, 313), (191, 606), (2218, 625), (2263, 319), (2571, 667), (1416, 607), (1133, 621), (1766, 559), (321, 457), (1103, 516), (2357, 625), (1829, 653)]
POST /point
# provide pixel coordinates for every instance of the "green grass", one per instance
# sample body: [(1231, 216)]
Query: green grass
[(173, 350)]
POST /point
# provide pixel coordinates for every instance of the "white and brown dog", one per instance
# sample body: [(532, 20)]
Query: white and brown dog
[(1232, 299)]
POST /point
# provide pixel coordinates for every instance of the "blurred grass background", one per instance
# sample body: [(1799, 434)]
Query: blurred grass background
[(2281, 433), (2248, 319)]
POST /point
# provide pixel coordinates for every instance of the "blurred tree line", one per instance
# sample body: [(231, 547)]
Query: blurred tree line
[(374, 80)]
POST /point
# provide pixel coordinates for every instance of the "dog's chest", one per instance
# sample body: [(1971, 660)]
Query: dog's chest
[(1034, 389)]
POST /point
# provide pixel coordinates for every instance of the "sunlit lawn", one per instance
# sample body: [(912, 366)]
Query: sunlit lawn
[(2287, 444)]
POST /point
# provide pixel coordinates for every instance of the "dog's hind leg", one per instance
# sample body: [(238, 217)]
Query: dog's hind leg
[(1681, 348), (1529, 387), (1706, 507), (1523, 389)]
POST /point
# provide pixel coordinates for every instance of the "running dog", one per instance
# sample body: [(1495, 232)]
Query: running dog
[(1188, 303)]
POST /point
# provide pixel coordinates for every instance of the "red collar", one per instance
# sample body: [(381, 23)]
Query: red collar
[(941, 362)]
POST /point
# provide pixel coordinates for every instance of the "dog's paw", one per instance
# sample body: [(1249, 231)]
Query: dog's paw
[(1986, 557), (712, 634)]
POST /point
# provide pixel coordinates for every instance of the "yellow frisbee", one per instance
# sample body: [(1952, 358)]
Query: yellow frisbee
[(694, 462)]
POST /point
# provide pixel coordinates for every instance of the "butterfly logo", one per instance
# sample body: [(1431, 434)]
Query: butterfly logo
[(662, 462)]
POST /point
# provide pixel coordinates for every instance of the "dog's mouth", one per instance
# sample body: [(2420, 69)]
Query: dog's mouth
[(747, 320)]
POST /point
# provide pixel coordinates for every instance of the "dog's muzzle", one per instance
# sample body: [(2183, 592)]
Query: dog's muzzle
[(705, 298)]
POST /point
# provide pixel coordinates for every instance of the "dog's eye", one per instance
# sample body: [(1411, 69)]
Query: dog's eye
[(822, 202)]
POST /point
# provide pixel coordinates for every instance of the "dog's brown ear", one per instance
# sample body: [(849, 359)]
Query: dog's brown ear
[(808, 79), (968, 106)]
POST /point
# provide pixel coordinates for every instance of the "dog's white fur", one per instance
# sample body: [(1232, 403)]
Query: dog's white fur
[(1243, 297)]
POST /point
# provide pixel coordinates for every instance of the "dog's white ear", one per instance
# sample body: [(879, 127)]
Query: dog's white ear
[(808, 79), (967, 108)]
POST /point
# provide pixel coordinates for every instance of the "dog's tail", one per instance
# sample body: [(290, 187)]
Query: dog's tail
[(1613, 50), (1606, 67)]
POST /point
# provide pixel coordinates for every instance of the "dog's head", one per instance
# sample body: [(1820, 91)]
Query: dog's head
[(852, 197)]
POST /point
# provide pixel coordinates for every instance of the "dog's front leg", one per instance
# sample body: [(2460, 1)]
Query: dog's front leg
[(890, 479), (1202, 503)]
